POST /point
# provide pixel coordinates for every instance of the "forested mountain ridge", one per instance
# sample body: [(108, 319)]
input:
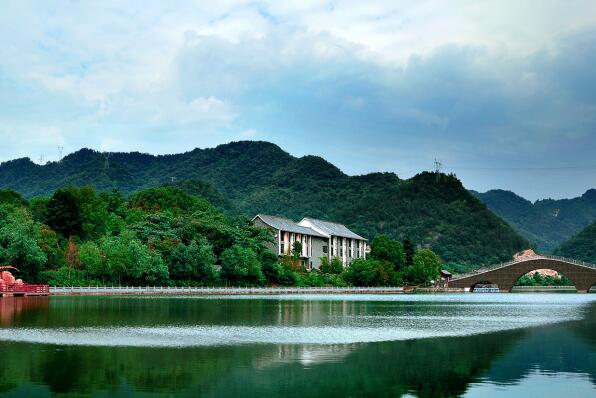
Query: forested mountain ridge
[(259, 177), (546, 223), (581, 246)]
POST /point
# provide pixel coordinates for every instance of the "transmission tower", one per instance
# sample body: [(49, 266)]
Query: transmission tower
[(41, 159), (60, 149), (438, 167)]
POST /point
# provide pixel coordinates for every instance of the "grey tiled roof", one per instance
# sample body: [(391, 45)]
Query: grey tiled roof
[(285, 224), (332, 228)]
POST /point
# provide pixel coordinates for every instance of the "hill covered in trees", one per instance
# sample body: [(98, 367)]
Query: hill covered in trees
[(258, 177), (582, 246), (166, 236), (546, 223)]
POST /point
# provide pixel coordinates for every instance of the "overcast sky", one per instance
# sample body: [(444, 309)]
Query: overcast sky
[(502, 92)]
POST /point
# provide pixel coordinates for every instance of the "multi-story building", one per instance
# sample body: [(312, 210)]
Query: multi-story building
[(318, 238)]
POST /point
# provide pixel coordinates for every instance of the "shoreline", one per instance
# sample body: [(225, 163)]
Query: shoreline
[(150, 290)]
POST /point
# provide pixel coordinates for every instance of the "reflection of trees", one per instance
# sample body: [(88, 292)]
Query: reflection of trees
[(566, 347), (428, 368)]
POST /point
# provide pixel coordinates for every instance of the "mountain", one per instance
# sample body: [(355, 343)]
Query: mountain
[(546, 223), (259, 177), (580, 247)]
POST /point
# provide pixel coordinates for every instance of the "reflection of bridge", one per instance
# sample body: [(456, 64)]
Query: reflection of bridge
[(583, 275)]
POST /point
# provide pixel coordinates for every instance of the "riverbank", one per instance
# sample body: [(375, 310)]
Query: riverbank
[(166, 290), (227, 291)]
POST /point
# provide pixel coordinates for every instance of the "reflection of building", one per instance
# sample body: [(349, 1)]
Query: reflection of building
[(12, 307), (318, 239)]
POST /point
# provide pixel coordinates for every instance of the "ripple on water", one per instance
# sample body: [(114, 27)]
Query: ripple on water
[(395, 324)]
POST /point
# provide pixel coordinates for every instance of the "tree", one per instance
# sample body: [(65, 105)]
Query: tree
[(296, 250), (334, 266), (241, 265), (141, 265), (426, 267), (271, 267), (386, 249), (195, 261), (19, 247), (360, 272), (94, 213), (91, 260), (10, 197), (63, 213), (408, 252), (37, 206)]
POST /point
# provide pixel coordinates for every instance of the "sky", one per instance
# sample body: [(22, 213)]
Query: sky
[(502, 92)]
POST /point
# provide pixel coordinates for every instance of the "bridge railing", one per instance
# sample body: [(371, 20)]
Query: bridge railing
[(24, 288), (522, 259)]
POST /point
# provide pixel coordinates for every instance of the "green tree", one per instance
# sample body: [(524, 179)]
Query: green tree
[(195, 261), (425, 268), (335, 266), (91, 259), (37, 206), (386, 249), (93, 211), (143, 266), (408, 252), (296, 250), (241, 265), (271, 267), (63, 213), (19, 247), (10, 197), (360, 272)]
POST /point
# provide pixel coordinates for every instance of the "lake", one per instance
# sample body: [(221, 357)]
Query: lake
[(471, 345)]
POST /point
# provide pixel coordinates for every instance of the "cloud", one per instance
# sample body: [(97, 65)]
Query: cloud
[(471, 83)]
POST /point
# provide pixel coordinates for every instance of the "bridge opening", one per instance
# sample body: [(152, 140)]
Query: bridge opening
[(485, 287), (543, 279)]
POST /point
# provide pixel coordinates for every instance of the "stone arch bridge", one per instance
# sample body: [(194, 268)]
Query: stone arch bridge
[(583, 275)]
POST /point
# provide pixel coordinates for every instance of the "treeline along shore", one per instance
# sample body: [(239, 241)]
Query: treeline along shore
[(166, 237)]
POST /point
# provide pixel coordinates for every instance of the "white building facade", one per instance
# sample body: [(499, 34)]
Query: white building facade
[(318, 239)]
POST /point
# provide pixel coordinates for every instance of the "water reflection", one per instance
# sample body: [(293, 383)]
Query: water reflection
[(12, 309), (509, 361)]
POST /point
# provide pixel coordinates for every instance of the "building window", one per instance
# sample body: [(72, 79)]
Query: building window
[(325, 249), (282, 248), (340, 242)]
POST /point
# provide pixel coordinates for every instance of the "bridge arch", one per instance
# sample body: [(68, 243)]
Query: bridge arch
[(583, 276)]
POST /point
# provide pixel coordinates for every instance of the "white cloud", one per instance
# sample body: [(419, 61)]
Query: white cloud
[(164, 77)]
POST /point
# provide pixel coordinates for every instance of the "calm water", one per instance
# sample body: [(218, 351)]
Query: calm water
[(476, 345)]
